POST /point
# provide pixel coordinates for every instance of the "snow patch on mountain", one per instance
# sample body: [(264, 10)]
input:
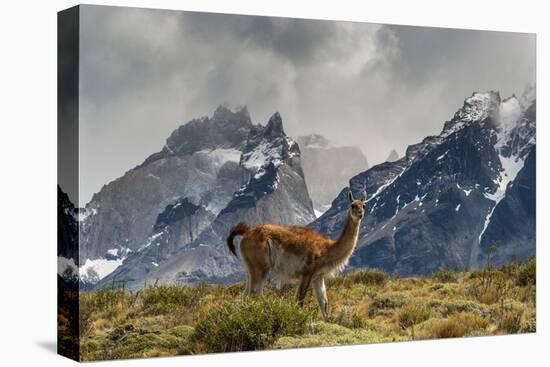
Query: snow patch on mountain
[(467, 192), (220, 156), (67, 268), (94, 270), (477, 107), (385, 185), (442, 156), (113, 251), (260, 156), (508, 114), (84, 213)]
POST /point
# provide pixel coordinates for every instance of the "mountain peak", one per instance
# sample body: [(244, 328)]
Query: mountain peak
[(225, 113), (275, 125), (478, 106), (472, 185), (393, 156)]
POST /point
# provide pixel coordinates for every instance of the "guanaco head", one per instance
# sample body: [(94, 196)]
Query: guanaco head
[(357, 207)]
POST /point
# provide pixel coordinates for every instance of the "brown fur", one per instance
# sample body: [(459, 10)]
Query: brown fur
[(238, 230), (296, 252)]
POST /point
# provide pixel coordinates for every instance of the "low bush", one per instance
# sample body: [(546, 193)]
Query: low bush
[(85, 317), (489, 286), (448, 328), (445, 276), (527, 273), (411, 315), (510, 322), (511, 312), (348, 317), (460, 305), (106, 298), (458, 325), (160, 299), (372, 277), (326, 334), (389, 300), (127, 342), (249, 324)]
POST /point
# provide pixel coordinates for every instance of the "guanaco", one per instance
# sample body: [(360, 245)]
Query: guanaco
[(294, 253)]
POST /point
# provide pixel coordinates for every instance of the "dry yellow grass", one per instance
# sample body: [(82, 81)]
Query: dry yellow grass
[(365, 307)]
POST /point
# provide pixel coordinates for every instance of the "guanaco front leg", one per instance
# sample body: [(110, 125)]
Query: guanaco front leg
[(302, 288), (320, 292)]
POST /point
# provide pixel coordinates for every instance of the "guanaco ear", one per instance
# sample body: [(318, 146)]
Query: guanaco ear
[(350, 197), (363, 196)]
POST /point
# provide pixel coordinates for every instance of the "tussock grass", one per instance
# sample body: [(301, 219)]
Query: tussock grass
[(446, 276), (249, 324), (366, 306), (412, 314)]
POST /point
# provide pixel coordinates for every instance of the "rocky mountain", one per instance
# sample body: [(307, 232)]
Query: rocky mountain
[(452, 196), (327, 168), (167, 218), (67, 237), (393, 156)]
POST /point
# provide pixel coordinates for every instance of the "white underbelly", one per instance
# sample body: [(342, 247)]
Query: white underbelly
[(285, 265), (288, 267)]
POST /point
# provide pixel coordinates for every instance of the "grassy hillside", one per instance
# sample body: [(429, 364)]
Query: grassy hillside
[(365, 307)]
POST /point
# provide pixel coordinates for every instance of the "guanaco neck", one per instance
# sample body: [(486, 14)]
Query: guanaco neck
[(345, 244)]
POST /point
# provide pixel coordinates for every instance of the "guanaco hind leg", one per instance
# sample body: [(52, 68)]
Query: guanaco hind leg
[(320, 292), (254, 258)]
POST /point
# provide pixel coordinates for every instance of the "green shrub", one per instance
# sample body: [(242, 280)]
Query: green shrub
[(389, 300), (460, 305), (527, 274), (412, 314), (327, 334), (446, 289), (511, 315), (106, 298), (85, 316), (372, 277), (249, 324), (160, 299), (128, 342), (446, 276), (347, 317), (369, 277)]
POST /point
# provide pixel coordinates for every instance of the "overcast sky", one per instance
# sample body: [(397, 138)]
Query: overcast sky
[(380, 87)]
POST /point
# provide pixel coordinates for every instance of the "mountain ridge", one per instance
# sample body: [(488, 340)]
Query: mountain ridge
[(263, 180), (427, 210)]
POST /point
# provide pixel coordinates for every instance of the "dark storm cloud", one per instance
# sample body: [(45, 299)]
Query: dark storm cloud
[(144, 72), (67, 102), (432, 53)]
